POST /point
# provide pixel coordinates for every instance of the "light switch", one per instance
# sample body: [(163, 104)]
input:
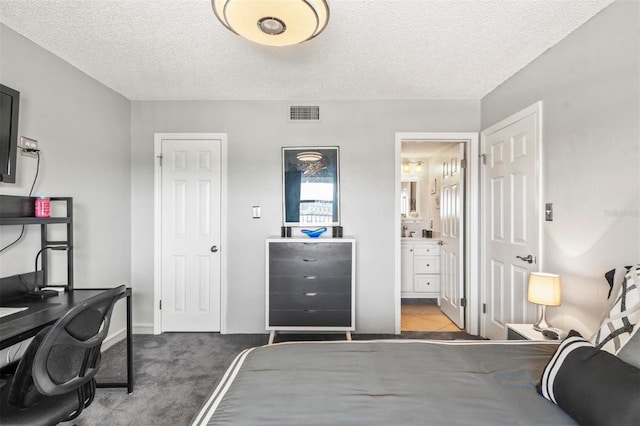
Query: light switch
[(548, 212), (256, 212)]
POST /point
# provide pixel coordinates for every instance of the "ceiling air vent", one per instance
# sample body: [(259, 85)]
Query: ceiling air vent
[(304, 113)]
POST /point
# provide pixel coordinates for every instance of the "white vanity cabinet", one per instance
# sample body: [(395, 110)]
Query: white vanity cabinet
[(420, 269)]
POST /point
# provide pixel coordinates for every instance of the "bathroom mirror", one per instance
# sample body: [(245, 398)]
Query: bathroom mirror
[(410, 199), (310, 186)]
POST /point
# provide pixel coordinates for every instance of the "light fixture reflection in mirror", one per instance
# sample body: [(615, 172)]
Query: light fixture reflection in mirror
[(311, 186), (309, 156)]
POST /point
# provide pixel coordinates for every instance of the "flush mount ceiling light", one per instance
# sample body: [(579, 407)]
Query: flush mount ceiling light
[(309, 156), (273, 22)]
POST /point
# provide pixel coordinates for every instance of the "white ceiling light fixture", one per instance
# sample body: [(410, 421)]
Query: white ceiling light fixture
[(273, 22)]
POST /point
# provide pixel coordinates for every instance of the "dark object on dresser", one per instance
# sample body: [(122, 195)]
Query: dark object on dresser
[(54, 380)]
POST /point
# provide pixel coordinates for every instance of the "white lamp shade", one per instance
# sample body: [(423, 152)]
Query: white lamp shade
[(297, 20), (544, 289)]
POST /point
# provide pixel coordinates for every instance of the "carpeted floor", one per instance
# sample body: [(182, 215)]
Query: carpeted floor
[(174, 372)]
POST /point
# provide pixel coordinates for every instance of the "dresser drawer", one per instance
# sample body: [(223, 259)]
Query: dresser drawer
[(310, 300), (309, 267), (310, 284), (309, 318), (310, 250), (426, 250), (426, 264), (427, 283)]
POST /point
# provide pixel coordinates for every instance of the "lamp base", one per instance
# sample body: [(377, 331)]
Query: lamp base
[(542, 323), (41, 294)]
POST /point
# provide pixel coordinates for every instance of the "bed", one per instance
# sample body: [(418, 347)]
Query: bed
[(385, 382), (456, 382)]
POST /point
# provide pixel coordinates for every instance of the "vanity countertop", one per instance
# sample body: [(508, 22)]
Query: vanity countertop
[(420, 240)]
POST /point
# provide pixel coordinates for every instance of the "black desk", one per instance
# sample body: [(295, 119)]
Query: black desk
[(22, 325)]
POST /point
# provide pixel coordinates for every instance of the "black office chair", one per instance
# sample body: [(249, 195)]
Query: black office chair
[(54, 380)]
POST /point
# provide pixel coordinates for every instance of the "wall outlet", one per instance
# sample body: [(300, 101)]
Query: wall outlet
[(29, 147)]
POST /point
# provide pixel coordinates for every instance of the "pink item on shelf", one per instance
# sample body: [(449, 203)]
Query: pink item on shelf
[(43, 207)]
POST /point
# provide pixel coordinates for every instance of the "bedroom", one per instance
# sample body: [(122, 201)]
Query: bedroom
[(590, 92)]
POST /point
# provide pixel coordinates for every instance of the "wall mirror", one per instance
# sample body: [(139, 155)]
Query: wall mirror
[(311, 183), (410, 199)]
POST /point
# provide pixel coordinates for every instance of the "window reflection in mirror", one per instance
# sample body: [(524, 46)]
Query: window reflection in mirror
[(311, 186), (410, 199)]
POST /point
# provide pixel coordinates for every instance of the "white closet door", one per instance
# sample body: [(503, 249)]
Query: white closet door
[(190, 273)]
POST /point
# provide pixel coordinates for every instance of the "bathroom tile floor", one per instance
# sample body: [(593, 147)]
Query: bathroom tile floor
[(424, 315)]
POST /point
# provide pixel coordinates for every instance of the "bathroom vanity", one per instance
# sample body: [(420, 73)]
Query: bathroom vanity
[(420, 266)]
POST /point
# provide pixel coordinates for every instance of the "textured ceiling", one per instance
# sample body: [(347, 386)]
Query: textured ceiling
[(371, 49)]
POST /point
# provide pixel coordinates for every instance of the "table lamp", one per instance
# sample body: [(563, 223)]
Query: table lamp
[(38, 292), (544, 289)]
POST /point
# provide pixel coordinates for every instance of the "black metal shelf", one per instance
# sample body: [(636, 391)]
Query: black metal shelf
[(16, 210), (33, 220)]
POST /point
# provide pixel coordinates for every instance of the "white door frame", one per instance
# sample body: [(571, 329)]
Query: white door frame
[(472, 222), (157, 226), (536, 109)]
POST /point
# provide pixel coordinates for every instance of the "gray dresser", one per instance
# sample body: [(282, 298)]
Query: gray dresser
[(310, 284)]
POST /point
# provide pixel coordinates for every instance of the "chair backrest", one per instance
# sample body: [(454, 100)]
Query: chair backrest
[(65, 356)]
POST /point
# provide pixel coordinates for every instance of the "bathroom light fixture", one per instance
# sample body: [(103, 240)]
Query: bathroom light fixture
[(406, 166), (273, 22), (309, 156), (544, 289)]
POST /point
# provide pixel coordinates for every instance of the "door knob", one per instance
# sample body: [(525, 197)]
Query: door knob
[(214, 249), (528, 258)]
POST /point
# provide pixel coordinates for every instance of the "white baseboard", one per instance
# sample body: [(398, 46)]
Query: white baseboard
[(113, 338), (121, 334), (143, 329)]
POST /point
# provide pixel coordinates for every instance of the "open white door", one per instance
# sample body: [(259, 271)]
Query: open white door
[(190, 234), (511, 224), (452, 222)]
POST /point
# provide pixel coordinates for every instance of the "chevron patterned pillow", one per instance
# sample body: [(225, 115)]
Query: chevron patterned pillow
[(616, 330)]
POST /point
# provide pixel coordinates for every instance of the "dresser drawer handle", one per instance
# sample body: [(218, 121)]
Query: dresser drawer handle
[(309, 260), (310, 277), (311, 294), (309, 311)]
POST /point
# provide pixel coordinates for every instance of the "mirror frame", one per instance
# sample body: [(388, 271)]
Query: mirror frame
[(328, 164)]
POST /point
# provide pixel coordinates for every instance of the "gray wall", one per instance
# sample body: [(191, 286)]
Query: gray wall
[(365, 132), (96, 152), (83, 131), (589, 84)]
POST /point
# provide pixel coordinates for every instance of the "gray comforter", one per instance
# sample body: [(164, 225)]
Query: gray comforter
[(385, 382)]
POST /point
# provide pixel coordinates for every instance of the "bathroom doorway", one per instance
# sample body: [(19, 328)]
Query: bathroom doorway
[(431, 212), (424, 226)]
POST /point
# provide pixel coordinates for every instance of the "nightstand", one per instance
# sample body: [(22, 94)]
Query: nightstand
[(524, 332)]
